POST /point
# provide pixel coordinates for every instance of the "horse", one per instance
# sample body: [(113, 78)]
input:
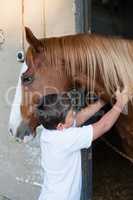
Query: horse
[(96, 63)]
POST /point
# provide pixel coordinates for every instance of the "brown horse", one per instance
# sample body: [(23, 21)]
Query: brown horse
[(96, 63)]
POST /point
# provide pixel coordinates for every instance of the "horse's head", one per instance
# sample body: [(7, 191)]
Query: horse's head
[(56, 64), (40, 78)]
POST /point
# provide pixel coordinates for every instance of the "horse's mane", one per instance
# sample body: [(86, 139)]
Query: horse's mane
[(111, 56)]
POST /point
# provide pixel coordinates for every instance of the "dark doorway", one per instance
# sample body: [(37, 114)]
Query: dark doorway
[(112, 17), (112, 174)]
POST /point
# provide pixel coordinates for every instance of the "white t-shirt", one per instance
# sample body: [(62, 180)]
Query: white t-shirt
[(61, 161)]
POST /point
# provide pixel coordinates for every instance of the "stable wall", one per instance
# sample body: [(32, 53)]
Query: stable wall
[(20, 171)]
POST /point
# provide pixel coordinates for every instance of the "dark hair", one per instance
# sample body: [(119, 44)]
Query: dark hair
[(53, 109)]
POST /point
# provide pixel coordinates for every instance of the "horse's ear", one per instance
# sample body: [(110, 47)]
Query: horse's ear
[(33, 41)]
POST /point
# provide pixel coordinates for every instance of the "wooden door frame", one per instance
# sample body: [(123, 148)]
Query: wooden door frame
[(83, 15)]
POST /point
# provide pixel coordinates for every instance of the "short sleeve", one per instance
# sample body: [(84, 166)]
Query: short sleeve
[(77, 138)]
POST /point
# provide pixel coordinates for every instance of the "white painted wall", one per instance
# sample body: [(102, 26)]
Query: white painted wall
[(59, 17), (50, 18), (20, 165), (17, 162)]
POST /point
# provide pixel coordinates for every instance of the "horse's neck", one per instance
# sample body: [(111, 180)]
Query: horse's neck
[(81, 81)]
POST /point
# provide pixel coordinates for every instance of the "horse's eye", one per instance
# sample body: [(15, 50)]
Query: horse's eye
[(27, 80)]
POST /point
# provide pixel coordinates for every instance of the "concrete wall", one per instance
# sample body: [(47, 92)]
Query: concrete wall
[(59, 17), (20, 172), (51, 18), (17, 162)]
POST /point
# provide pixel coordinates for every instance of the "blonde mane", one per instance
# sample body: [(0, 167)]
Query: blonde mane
[(112, 57)]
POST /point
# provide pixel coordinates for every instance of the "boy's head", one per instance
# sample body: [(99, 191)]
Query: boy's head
[(55, 111)]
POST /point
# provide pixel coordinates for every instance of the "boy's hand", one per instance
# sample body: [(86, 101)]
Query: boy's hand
[(122, 98)]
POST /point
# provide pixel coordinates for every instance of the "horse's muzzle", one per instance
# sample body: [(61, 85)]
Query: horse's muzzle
[(24, 133)]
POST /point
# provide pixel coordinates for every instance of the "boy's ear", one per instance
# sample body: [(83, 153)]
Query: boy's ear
[(60, 127)]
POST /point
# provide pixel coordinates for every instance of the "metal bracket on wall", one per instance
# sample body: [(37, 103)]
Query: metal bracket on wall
[(87, 11), (2, 37), (83, 15)]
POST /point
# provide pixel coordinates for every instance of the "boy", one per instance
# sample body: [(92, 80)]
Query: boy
[(61, 142)]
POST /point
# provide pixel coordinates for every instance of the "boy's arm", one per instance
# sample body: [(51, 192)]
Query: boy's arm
[(87, 112), (109, 119)]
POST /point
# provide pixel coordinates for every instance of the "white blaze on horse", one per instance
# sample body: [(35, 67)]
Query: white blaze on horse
[(15, 114), (96, 63)]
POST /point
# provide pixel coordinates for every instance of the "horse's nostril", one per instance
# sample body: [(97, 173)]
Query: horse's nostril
[(23, 132), (10, 132), (18, 140)]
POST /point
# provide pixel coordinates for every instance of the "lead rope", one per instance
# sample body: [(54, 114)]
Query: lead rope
[(117, 150)]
